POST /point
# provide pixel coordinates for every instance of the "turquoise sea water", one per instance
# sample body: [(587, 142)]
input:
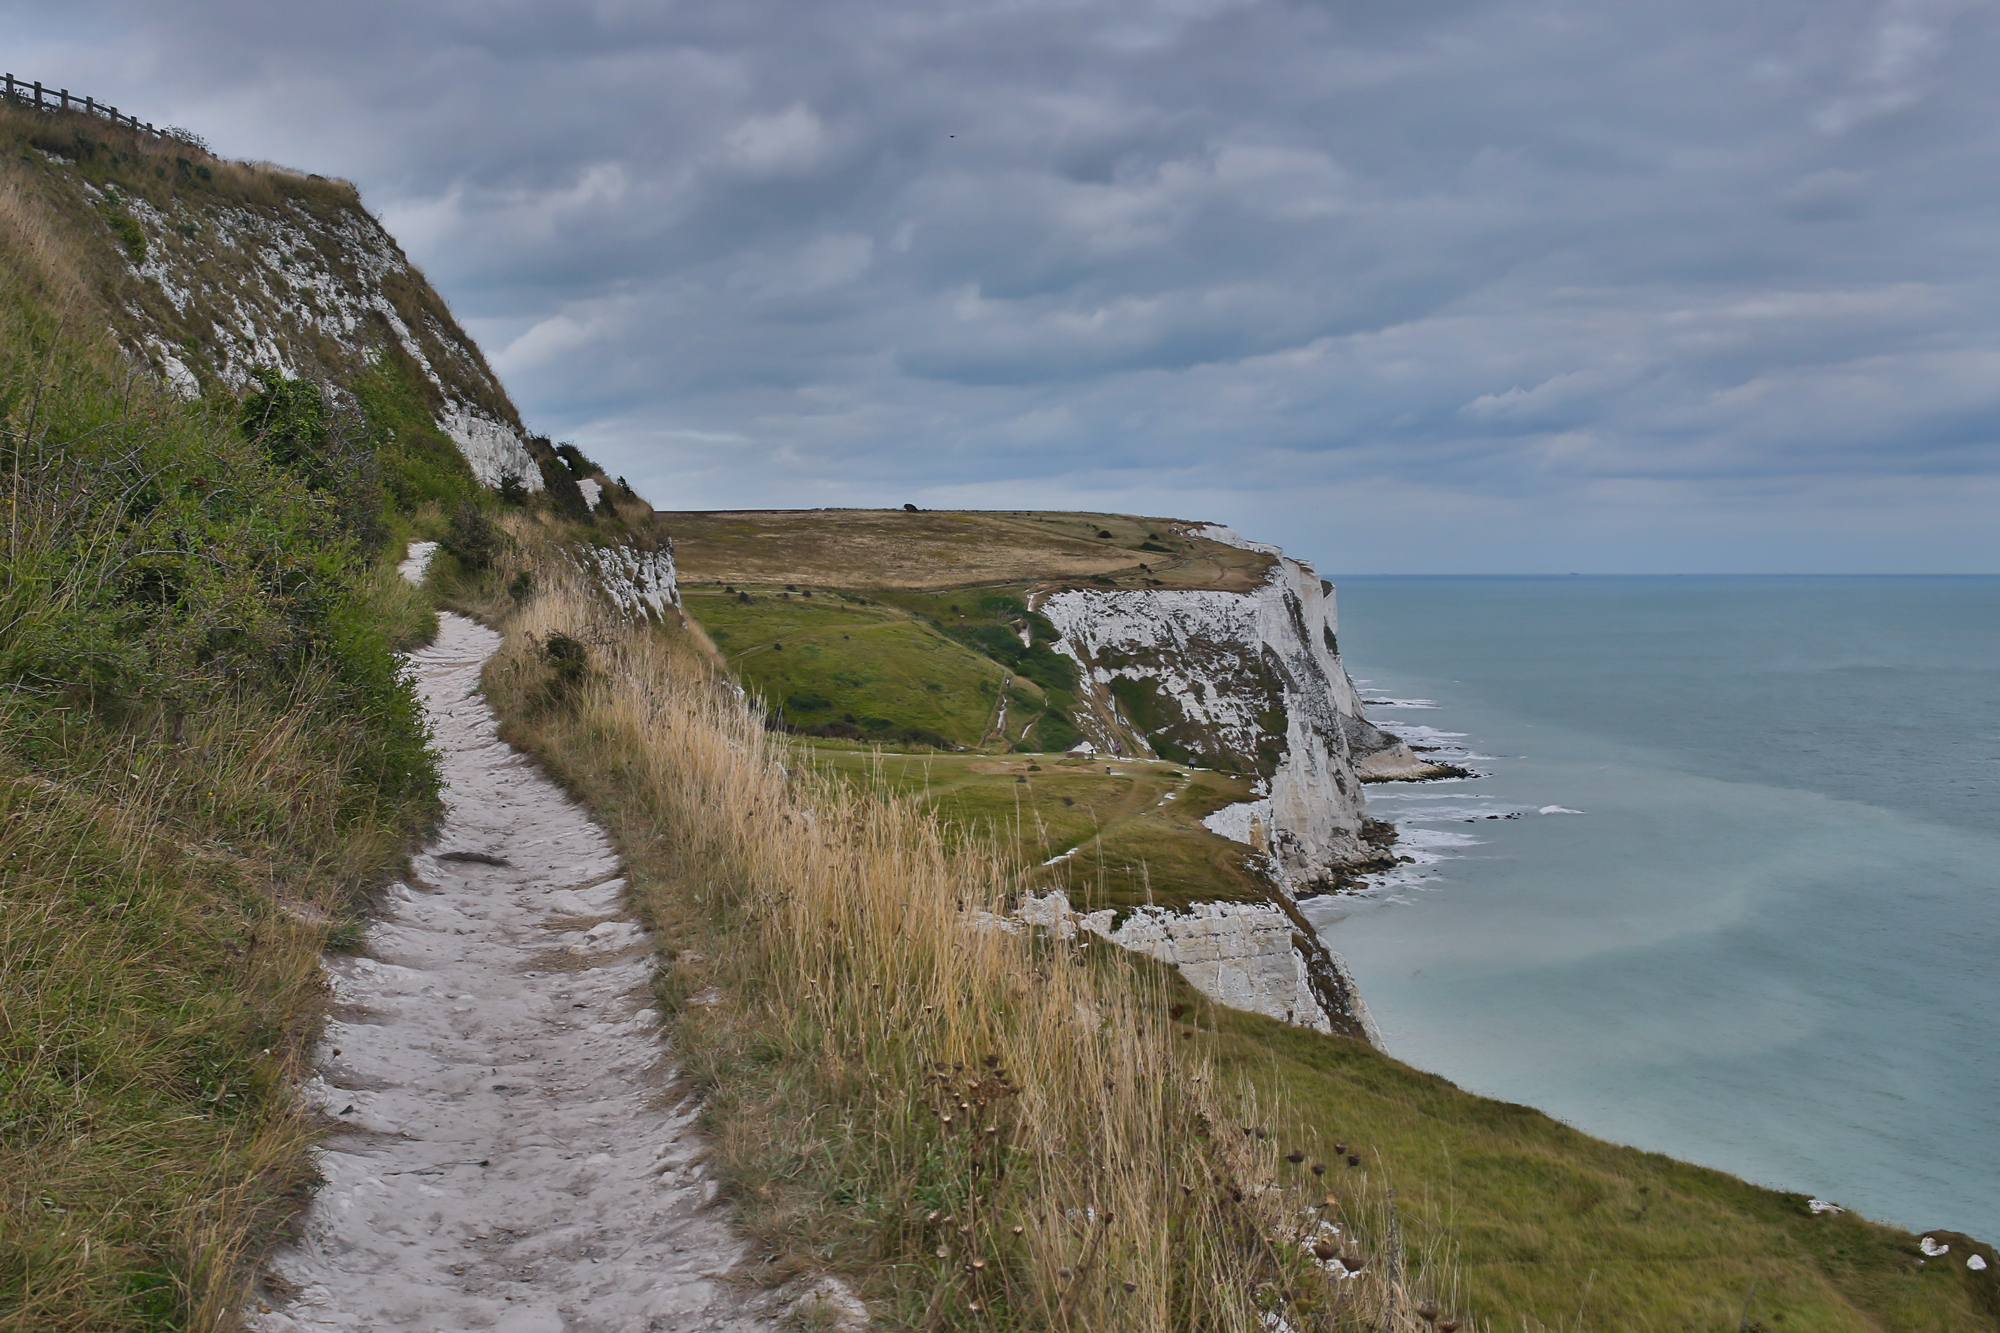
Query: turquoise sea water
[(1770, 940)]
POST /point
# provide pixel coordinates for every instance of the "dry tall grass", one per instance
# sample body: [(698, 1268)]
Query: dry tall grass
[(990, 1128)]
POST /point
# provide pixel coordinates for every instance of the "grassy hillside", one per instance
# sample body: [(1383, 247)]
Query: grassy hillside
[(1127, 832), (208, 757), (809, 923)]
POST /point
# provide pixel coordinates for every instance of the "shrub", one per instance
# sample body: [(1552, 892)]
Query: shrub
[(568, 662), (573, 459), (474, 540), (289, 420), (127, 229)]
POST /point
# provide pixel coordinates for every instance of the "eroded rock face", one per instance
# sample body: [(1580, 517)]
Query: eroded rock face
[(308, 282), (1245, 681), (639, 580), (1250, 956)]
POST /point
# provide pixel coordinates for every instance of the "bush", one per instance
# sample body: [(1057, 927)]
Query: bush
[(290, 421), (568, 662), (473, 539), (565, 496), (573, 459)]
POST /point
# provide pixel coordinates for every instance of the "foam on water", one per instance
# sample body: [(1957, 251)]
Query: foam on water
[(1737, 903)]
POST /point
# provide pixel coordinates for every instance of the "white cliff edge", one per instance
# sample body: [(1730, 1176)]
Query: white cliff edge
[(1254, 681), (1224, 659)]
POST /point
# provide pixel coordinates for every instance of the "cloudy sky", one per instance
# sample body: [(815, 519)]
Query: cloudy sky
[(1407, 285)]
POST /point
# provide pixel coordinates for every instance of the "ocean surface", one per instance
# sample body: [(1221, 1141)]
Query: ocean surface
[(1741, 902)]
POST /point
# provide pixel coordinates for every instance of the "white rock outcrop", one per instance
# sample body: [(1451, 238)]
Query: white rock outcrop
[(317, 291), (1254, 676), (639, 581), (494, 449), (1244, 955)]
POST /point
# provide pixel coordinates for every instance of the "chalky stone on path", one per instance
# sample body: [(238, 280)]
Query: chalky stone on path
[(507, 1163)]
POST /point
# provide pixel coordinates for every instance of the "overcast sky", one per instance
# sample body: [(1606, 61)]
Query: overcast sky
[(1406, 285)]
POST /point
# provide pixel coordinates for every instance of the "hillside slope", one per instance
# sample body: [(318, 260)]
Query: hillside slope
[(226, 400)]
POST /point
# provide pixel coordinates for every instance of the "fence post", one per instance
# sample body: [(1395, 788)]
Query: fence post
[(10, 87), (90, 105), (65, 99), (38, 94)]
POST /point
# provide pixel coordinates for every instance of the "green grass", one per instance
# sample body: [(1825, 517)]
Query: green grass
[(818, 660), (893, 663), (1551, 1228), (1133, 834)]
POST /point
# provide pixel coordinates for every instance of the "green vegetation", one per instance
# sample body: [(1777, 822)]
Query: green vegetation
[(1550, 1228), (854, 668), (208, 755), (1128, 833), (419, 464)]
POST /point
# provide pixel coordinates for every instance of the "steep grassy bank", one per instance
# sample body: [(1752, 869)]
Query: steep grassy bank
[(985, 1128), (206, 758)]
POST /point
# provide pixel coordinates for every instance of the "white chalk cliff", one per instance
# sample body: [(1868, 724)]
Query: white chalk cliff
[(313, 285), (1251, 681)]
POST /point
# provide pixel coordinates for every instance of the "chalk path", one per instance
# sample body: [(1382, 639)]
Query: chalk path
[(511, 1159)]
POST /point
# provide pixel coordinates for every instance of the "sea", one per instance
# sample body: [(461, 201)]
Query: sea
[(1727, 883)]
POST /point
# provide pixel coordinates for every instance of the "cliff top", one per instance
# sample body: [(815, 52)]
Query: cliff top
[(956, 548)]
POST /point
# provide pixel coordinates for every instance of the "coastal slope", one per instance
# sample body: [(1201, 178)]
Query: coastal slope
[(1155, 707)]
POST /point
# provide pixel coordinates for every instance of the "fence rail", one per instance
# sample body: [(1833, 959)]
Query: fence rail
[(22, 93)]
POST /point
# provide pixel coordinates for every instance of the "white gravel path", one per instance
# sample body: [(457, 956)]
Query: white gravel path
[(512, 1159)]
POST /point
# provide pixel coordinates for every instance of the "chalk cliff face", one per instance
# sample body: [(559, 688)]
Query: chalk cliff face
[(1257, 957), (1250, 681), (208, 271), (637, 577), (247, 267)]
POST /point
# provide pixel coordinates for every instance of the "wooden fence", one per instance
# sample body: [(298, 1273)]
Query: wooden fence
[(48, 99)]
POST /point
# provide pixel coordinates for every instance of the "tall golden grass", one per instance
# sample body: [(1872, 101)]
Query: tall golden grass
[(987, 1127)]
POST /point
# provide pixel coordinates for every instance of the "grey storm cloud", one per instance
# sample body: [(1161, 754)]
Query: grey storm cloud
[(1433, 283)]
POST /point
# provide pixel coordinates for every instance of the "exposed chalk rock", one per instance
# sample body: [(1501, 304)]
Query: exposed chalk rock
[(494, 450), (1250, 681), (639, 580), (1247, 956), (310, 284)]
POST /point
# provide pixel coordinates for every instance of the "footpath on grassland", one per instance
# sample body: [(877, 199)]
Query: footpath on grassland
[(509, 1157)]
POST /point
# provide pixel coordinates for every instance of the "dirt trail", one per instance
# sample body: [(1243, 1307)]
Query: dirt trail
[(511, 1161)]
